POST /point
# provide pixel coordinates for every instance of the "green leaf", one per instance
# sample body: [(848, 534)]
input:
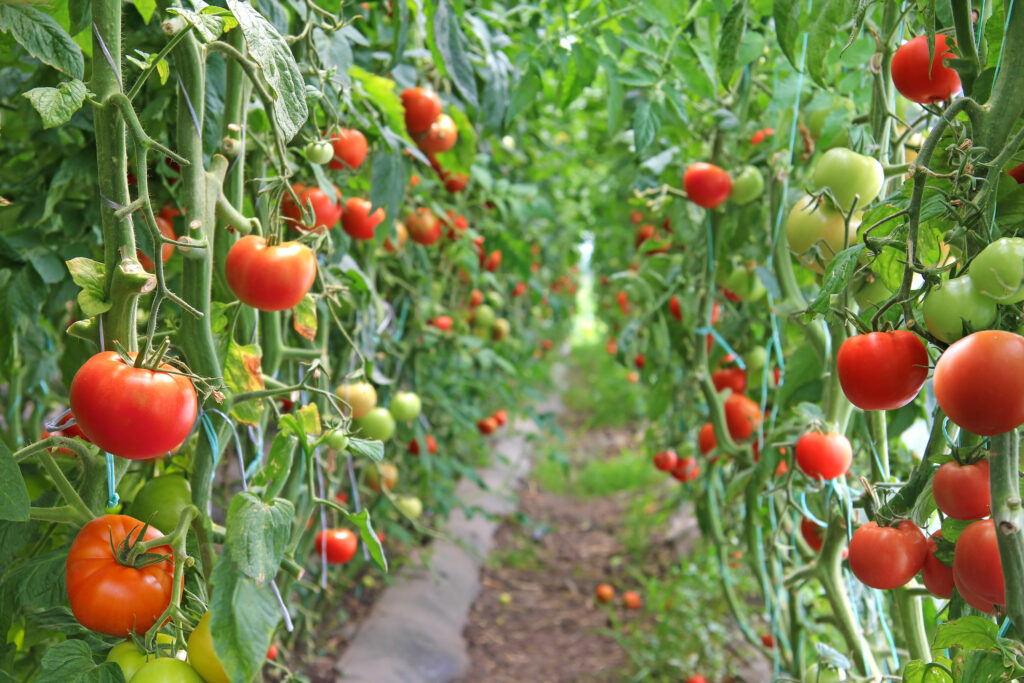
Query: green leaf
[(388, 183), (14, 502), (145, 8), (967, 633), (787, 27), (43, 38), (495, 102), (88, 275), (268, 49), (57, 105), (336, 53), (823, 30), (243, 619), (451, 44), (524, 94), (309, 416), (370, 449), (257, 534), (304, 318), (838, 275), (279, 461), (733, 27), (382, 92), (615, 93), (362, 521), (952, 528), (208, 26), (919, 672), (645, 126), (242, 373), (71, 661)]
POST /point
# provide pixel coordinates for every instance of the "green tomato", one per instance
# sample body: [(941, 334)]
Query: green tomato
[(411, 506), (378, 424), (483, 317), (823, 674), (849, 175), (405, 406), (319, 152), (755, 359), (954, 302), (835, 118), (495, 299), (809, 226), (745, 284), (168, 670), (998, 271), (160, 501), (747, 186), (201, 654), (337, 440), (130, 658), (501, 329), (872, 294)]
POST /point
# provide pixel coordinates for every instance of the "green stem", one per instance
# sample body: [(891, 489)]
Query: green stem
[(970, 65), (878, 429), (1005, 106), (70, 494), (912, 619), (1008, 515)]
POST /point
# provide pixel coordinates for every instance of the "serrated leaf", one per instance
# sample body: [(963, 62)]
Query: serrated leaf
[(823, 30), (57, 105), (243, 619), (838, 275), (207, 26), (88, 275), (733, 27), (14, 502), (524, 94), (257, 534), (268, 49), (243, 373), (451, 44), (645, 126), (304, 318), (388, 182), (967, 633), (70, 661), (374, 450), (43, 38)]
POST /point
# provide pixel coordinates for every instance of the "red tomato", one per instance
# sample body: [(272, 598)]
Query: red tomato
[(357, 221), (716, 312), (686, 469), (501, 417), (422, 107), (937, 577), (349, 149), (454, 182), (887, 557), (414, 445), (977, 565), (326, 211), (487, 425), (760, 135), (476, 297), (636, 217), (824, 456), (108, 596), (604, 593), (612, 347), (913, 78), (640, 361), (742, 416), (272, 652), (423, 226), (768, 640), (731, 296), (706, 441), (414, 180), (1017, 173), (979, 382), (707, 185), (631, 600), (72, 432), (338, 544), (623, 301), (696, 679), (730, 378), (135, 413), (674, 309), (493, 261), (440, 137), (519, 290), (165, 225), (666, 461), (812, 534), (442, 322), (270, 278), (643, 233), (962, 491), (882, 370)]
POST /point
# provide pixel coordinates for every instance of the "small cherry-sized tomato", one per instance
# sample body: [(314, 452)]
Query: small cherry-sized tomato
[(440, 137), (730, 378), (270, 278), (339, 545), (706, 185), (882, 370), (455, 182), (666, 460), (937, 577), (824, 456), (376, 425), (272, 650), (108, 596), (349, 149), (954, 302), (979, 382), (747, 186), (493, 261), (442, 322), (696, 679), (166, 227), (405, 406), (706, 440), (360, 397), (500, 416), (357, 221), (401, 237), (918, 71), (760, 135), (604, 593), (414, 445), (686, 469), (674, 308), (977, 566), (742, 416), (382, 477), (135, 413), (423, 226), (623, 300), (962, 491), (631, 600), (887, 557), (326, 211), (768, 640), (487, 425), (519, 290), (319, 152), (812, 534), (422, 107), (640, 361)]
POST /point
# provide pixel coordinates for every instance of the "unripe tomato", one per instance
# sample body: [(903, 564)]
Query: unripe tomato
[(882, 370), (410, 506), (201, 654), (349, 149), (742, 415), (947, 307), (130, 658), (838, 109), (484, 317), (979, 382), (937, 577), (666, 461), (381, 477), (376, 425), (270, 278), (604, 593), (849, 176), (962, 491), (135, 413), (422, 107), (440, 137), (500, 329), (706, 185), (748, 186), (405, 406), (810, 225), (820, 673), (357, 221), (824, 456), (337, 440), (998, 271), (887, 557), (401, 235), (169, 670), (339, 545), (319, 152), (360, 397), (915, 80), (977, 565), (326, 211), (160, 501)]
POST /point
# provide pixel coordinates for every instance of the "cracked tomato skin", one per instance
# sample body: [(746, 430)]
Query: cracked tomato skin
[(135, 413), (108, 597)]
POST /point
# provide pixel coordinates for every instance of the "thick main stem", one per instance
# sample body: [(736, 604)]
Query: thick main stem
[(1008, 514)]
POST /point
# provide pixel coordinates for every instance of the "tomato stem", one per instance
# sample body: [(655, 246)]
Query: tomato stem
[(878, 429), (912, 619), (1008, 514), (82, 512)]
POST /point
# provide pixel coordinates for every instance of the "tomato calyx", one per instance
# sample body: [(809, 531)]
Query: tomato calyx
[(134, 552)]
